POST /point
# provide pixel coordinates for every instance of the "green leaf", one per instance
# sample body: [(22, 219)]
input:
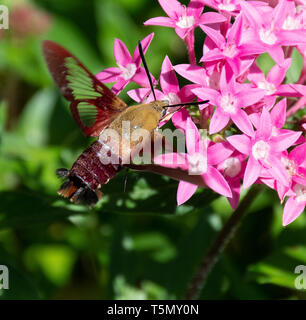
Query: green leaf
[(295, 69), (265, 63), (279, 267), (21, 209)]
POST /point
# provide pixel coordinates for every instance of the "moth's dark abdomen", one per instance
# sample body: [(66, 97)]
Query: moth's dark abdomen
[(86, 176)]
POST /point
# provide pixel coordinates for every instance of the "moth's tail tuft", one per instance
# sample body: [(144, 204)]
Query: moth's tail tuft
[(76, 190)]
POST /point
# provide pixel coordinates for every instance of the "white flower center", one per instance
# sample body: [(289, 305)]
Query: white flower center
[(267, 86), (128, 71), (230, 51), (267, 36), (227, 5), (228, 103), (289, 165), (197, 164), (185, 22), (173, 98), (231, 167), (300, 192), (292, 23), (260, 150)]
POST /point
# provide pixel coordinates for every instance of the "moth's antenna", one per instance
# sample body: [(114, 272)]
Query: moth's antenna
[(146, 68), (186, 104)]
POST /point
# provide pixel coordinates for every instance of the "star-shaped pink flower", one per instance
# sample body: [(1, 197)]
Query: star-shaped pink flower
[(228, 48), (264, 151), (185, 19), (129, 68), (229, 102)]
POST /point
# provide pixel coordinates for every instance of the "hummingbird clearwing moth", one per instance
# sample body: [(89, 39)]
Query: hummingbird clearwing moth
[(95, 108)]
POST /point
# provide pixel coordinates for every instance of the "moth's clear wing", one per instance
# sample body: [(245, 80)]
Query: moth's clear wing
[(93, 105)]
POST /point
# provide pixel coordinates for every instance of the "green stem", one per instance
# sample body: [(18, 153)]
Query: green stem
[(219, 244)]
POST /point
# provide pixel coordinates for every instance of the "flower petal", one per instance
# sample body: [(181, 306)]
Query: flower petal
[(218, 152), (172, 7), (218, 121), (141, 78), (139, 94), (168, 80), (234, 35), (160, 21), (265, 125), (211, 17), (207, 94), (240, 142), (277, 73), (292, 210), (185, 191), (214, 35), (277, 54), (193, 73), (298, 154), (243, 122), (247, 97), (252, 172), (119, 85), (215, 180), (235, 187), (121, 53), (278, 114), (109, 75), (284, 140), (145, 45)]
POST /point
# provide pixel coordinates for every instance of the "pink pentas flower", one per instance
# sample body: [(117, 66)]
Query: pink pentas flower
[(185, 19), (231, 7), (272, 83), (294, 18), (200, 159), (265, 30), (295, 164), (229, 102), (228, 48), (129, 67), (278, 117), (170, 89), (264, 151)]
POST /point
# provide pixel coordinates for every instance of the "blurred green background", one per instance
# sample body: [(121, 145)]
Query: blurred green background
[(136, 244)]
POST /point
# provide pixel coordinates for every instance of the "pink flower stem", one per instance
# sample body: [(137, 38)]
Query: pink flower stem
[(189, 40), (299, 105), (223, 238)]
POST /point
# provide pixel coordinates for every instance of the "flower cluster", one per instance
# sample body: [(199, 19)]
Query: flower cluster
[(255, 121)]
